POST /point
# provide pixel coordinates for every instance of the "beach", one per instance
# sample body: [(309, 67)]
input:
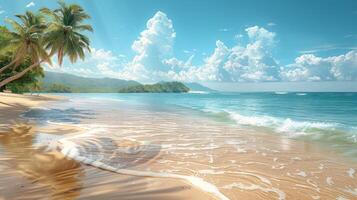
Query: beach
[(178, 100), (64, 148), (36, 173)]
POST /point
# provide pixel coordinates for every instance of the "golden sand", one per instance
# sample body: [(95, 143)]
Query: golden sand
[(242, 164)]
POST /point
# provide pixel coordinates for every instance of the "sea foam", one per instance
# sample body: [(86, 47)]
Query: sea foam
[(75, 148), (289, 126), (280, 93)]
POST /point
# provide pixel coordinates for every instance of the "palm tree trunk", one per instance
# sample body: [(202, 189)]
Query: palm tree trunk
[(20, 74), (8, 65)]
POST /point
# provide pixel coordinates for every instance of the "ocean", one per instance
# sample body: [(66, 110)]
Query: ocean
[(329, 118)]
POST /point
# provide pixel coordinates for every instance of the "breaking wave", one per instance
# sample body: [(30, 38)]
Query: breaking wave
[(198, 92), (120, 156), (288, 126), (301, 94), (280, 93)]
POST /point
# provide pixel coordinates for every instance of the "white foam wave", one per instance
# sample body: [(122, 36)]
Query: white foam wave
[(301, 94), (72, 150), (289, 126), (281, 92), (281, 194), (45, 138), (351, 172)]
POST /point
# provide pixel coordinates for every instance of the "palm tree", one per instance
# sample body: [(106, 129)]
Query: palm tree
[(26, 39), (62, 37)]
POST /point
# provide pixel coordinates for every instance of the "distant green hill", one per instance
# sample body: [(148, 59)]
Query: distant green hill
[(62, 82), (162, 87), (82, 84)]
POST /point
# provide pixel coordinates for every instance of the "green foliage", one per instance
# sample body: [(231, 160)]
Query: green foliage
[(28, 82), (162, 87), (35, 38), (5, 40), (26, 37), (64, 32), (57, 88)]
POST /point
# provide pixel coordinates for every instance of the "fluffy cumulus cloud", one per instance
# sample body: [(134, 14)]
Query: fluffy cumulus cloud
[(152, 48), (251, 61), (309, 67), (154, 59)]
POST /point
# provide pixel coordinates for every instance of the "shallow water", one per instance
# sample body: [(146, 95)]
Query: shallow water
[(329, 118), (146, 138)]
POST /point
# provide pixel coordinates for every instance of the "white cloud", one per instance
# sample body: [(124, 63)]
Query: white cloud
[(2, 11), (154, 60), (103, 55), (309, 67), (271, 24), (260, 35), (329, 47), (31, 4), (177, 65), (154, 45), (250, 62)]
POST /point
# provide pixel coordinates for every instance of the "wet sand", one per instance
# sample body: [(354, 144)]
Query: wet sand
[(29, 171), (240, 163), (12, 105)]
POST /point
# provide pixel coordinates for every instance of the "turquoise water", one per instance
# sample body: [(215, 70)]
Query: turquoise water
[(287, 112), (330, 118)]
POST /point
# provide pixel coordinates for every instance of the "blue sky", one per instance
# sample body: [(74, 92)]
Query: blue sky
[(215, 41)]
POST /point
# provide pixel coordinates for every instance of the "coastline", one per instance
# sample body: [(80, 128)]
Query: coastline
[(39, 173), (13, 105), (254, 165)]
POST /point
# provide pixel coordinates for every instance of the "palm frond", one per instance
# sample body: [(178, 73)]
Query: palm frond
[(84, 27), (18, 27)]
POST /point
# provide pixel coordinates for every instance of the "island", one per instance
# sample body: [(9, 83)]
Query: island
[(161, 87)]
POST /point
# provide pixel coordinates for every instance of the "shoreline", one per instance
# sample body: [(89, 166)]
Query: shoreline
[(45, 174), (254, 164), (13, 105)]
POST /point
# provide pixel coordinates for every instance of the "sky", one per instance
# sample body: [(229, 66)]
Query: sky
[(226, 44)]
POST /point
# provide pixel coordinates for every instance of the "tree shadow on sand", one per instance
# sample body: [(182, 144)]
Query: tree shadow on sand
[(68, 115), (48, 168)]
